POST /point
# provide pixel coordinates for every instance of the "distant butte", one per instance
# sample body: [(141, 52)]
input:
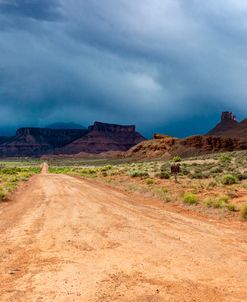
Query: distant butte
[(100, 137), (103, 137)]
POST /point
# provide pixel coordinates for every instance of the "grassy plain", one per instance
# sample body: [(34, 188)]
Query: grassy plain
[(14, 171)]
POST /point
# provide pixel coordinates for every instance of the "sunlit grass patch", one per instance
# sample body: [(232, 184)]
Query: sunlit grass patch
[(10, 177), (190, 198)]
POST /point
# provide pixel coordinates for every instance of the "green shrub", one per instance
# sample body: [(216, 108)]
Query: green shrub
[(150, 181), (198, 175), (176, 159), (225, 158), (212, 184), (190, 198), (3, 195), (164, 190), (221, 203), (185, 171), (163, 194), (138, 173), (244, 211), (228, 179), (241, 176), (106, 168), (216, 170), (164, 175), (224, 199), (10, 171), (231, 207)]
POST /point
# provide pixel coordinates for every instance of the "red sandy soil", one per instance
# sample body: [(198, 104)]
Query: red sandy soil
[(65, 239)]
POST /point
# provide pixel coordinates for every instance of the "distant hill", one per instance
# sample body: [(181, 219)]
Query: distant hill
[(65, 126)]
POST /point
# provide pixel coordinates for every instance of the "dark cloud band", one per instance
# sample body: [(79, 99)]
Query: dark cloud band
[(149, 62), (47, 10)]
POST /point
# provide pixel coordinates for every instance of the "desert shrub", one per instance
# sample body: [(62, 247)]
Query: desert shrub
[(209, 203), (176, 159), (244, 211), (185, 171), (9, 171), (198, 175), (91, 171), (194, 164), (225, 158), (228, 179), (164, 190), (138, 173), (106, 168), (212, 184), (3, 195), (231, 207), (221, 203), (216, 170), (238, 176), (244, 175), (163, 194), (190, 198), (165, 171), (241, 176), (224, 199), (165, 167), (164, 175), (206, 174), (232, 194), (215, 203), (150, 181)]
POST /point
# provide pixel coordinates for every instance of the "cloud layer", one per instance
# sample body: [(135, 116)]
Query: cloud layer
[(149, 62)]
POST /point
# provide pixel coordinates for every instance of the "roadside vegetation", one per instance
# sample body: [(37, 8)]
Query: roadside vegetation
[(213, 184), (12, 173)]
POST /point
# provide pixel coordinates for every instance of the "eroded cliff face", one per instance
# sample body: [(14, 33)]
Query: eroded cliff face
[(190, 146), (100, 137), (37, 141), (103, 137), (112, 128)]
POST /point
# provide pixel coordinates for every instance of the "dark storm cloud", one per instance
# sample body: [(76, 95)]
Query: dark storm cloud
[(150, 62), (47, 10)]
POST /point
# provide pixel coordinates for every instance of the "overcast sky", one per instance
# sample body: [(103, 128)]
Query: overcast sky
[(165, 65)]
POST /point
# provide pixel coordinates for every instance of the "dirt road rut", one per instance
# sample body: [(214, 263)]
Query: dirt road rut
[(65, 239)]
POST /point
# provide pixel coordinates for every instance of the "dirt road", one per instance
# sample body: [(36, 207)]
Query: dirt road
[(64, 239)]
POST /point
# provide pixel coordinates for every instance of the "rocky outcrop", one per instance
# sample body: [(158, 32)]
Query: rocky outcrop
[(161, 136), (37, 141), (230, 127), (190, 146), (103, 137)]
